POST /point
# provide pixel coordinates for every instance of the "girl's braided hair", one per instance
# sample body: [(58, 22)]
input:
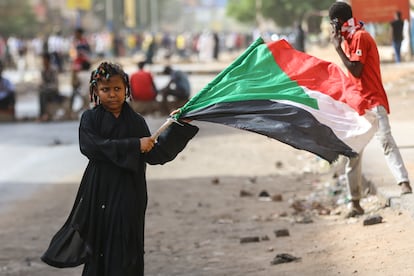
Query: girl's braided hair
[(104, 71)]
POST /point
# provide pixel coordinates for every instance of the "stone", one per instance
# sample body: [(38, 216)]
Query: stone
[(277, 197), (215, 181), (374, 219), (282, 233), (264, 194), (250, 239), (244, 193), (284, 258)]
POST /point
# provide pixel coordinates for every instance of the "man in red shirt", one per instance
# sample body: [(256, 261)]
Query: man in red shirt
[(360, 56), (142, 85)]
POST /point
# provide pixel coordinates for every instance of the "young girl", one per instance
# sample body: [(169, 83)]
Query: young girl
[(105, 229)]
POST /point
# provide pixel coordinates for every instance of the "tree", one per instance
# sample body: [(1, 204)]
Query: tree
[(283, 12), (17, 18), (242, 10)]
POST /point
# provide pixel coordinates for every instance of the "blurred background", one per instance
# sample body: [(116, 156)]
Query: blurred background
[(174, 32), (126, 27)]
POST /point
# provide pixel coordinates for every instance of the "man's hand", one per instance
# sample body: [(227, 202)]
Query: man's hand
[(336, 39), (354, 67)]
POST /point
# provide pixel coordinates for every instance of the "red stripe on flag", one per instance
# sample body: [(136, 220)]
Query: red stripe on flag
[(317, 75)]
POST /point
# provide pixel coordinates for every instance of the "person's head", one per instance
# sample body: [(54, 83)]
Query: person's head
[(109, 86), (339, 13), (398, 15), (141, 65), (79, 32), (167, 70)]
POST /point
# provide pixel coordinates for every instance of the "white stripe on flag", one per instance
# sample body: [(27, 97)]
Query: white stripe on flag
[(353, 129)]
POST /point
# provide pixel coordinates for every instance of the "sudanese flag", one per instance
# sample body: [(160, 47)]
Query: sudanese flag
[(277, 91)]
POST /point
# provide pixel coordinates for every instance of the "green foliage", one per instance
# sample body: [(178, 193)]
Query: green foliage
[(242, 10), (283, 12), (17, 18)]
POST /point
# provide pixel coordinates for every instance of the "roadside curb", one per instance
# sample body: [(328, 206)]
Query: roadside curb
[(397, 202)]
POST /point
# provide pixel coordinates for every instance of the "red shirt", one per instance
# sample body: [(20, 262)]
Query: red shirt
[(362, 47), (142, 86)]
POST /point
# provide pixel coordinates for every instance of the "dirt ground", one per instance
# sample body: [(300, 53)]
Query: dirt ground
[(206, 202)]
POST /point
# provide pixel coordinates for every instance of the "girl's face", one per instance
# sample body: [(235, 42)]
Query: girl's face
[(112, 94)]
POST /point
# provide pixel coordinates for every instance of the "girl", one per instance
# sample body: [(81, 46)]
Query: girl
[(105, 229)]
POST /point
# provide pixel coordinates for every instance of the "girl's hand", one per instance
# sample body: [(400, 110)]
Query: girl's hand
[(174, 112), (147, 143)]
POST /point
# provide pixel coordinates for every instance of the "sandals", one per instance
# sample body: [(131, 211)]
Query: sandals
[(405, 188), (356, 210), (355, 213)]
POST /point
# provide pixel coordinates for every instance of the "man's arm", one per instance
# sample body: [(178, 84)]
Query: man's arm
[(355, 67)]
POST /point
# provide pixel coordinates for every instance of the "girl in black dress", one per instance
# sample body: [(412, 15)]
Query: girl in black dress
[(105, 229)]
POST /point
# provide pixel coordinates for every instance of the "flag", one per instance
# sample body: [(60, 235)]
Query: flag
[(277, 91)]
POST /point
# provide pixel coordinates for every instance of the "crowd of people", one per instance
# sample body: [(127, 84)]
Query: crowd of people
[(74, 53), (203, 45)]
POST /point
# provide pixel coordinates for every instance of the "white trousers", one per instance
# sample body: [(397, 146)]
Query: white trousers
[(353, 171)]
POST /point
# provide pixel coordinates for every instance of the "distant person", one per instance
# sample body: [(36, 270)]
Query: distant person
[(150, 53), (142, 84), (81, 63), (21, 57), (3, 48), (360, 56), (143, 91), (397, 26), (105, 229), (49, 86), (55, 46), (216, 46), (205, 47), (299, 38), (7, 94), (81, 56), (177, 87), (180, 45)]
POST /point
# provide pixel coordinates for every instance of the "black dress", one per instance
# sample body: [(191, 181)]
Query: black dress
[(105, 229)]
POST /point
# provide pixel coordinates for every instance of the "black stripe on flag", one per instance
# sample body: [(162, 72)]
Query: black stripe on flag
[(286, 123)]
